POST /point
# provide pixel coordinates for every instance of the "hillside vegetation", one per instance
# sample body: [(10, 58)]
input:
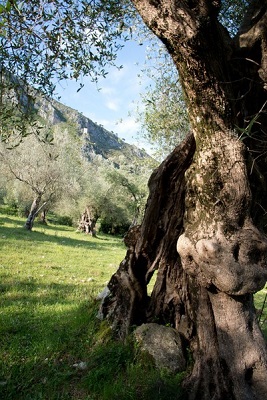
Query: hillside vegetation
[(98, 141)]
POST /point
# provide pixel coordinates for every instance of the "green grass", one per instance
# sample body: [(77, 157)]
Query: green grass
[(48, 320), (260, 302)]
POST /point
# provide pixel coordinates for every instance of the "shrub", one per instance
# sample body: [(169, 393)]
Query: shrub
[(64, 220), (10, 209), (113, 229)]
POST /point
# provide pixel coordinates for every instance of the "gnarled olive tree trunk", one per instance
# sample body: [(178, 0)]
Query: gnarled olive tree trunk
[(88, 222), (213, 207)]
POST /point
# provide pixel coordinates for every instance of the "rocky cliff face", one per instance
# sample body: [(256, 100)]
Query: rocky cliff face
[(97, 140)]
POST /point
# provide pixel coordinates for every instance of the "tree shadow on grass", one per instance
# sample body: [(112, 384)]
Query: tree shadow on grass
[(50, 234), (9, 220), (39, 225)]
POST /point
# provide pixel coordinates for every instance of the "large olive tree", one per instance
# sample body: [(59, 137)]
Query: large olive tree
[(207, 198), (205, 219)]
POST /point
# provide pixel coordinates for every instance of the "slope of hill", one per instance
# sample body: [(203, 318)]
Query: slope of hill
[(97, 140)]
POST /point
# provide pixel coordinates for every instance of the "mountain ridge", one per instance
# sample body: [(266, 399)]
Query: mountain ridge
[(97, 140)]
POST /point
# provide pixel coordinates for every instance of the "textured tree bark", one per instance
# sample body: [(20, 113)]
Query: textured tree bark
[(33, 212), (206, 291), (43, 216), (225, 254)]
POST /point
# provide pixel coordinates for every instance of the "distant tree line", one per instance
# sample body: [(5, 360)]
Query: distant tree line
[(39, 177)]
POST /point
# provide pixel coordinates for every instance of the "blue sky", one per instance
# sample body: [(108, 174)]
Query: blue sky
[(119, 92)]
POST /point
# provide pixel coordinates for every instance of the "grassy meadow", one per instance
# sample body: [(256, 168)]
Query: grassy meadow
[(52, 345)]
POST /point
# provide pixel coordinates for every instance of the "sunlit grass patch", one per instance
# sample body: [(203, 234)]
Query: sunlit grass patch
[(260, 301), (58, 254)]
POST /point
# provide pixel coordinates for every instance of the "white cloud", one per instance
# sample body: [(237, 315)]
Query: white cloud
[(106, 90), (126, 129), (112, 104), (128, 126), (116, 75)]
